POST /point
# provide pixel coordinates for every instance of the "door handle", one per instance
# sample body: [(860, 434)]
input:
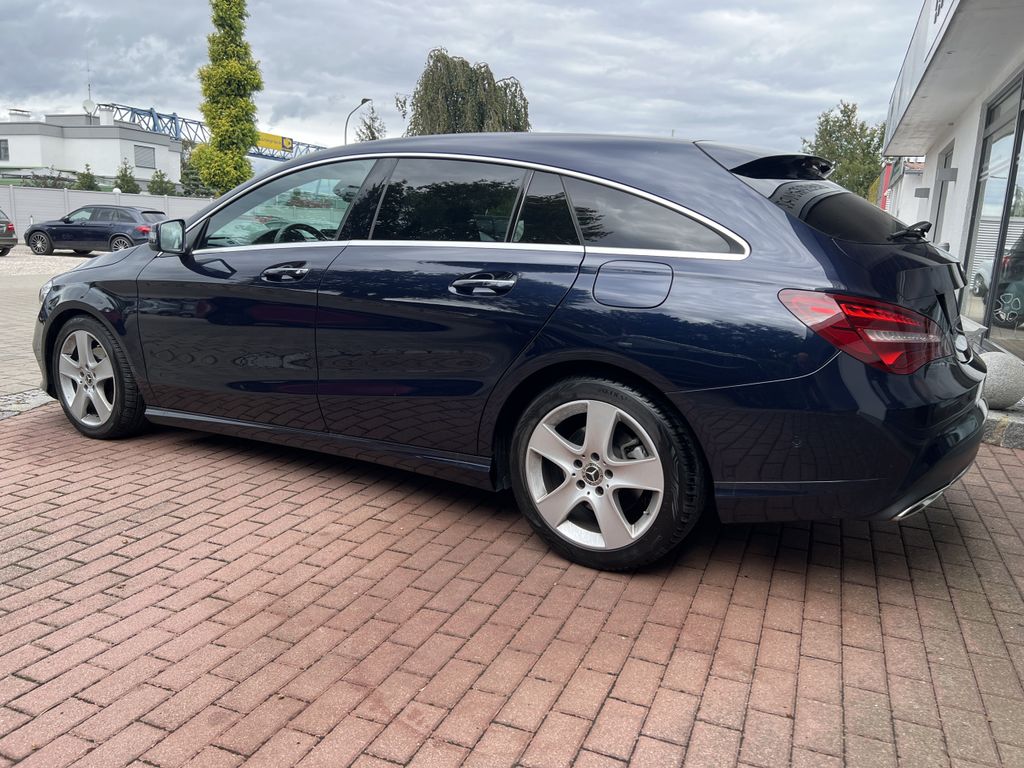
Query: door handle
[(284, 273), (484, 284)]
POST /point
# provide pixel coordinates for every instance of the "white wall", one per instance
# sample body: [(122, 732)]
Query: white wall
[(26, 205), (965, 136), (903, 202)]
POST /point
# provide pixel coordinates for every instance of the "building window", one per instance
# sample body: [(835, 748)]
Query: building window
[(5, 151), (145, 157)]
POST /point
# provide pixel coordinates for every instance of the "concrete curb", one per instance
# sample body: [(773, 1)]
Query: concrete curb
[(1005, 428)]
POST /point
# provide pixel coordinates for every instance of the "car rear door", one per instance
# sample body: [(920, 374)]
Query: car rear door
[(229, 330), (417, 323)]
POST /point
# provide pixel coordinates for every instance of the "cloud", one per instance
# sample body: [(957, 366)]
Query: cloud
[(752, 72)]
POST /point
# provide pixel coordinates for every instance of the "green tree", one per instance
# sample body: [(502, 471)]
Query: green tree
[(159, 184), (454, 96), (191, 184), (86, 180), (854, 146), (371, 126), (125, 181), (228, 83)]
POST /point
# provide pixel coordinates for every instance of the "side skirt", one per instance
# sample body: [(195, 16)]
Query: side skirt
[(462, 468)]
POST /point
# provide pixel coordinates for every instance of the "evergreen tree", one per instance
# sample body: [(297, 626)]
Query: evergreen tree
[(371, 126), (86, 180), (191, 184), (854, 146), (125, 181), (454, 96), (159, 184), (228, 83)]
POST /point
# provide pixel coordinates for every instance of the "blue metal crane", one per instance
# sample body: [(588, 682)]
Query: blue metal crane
[(186, 129)]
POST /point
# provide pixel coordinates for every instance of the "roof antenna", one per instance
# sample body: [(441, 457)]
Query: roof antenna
[(88, 105)]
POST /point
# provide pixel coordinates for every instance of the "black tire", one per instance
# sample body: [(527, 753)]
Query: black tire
[(40, 243), (978, 286), (120, 243), (685, 479), (127, 416), (4, 251), (83, 253)]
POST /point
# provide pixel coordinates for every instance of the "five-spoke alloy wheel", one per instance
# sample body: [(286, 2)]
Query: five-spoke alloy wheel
[(94, 382), (605, 474), (86, 378)]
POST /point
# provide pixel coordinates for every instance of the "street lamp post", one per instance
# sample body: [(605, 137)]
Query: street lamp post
[(360, 104)]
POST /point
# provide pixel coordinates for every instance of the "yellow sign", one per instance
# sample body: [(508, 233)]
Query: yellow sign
[(272, 141)]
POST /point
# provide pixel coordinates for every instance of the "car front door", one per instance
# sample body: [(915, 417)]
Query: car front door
[(229, 329), (74, 230), (418, 323)]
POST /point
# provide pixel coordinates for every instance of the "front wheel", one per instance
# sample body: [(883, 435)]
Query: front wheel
[(94, 382), (40, 244), (120, 243), (608, 477)]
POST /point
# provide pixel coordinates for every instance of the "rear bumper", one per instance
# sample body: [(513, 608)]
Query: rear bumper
[(8, 241), (845, 442)]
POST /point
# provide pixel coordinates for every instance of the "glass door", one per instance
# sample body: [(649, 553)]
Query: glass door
[(996, 168)]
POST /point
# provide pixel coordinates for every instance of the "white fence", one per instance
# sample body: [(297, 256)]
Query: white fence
[(27, 205)]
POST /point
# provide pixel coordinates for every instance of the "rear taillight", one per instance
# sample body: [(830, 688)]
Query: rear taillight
[(10, 227), (883, 335), (142, 229)]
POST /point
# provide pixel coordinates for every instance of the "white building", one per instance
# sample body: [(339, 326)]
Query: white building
[(904, 198), (68, 142), (957, 103)]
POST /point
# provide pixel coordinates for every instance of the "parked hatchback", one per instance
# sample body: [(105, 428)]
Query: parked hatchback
[(628, 333), (8, 238), (94, 228)]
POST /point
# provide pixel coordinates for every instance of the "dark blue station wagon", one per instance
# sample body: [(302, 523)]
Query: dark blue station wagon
[(626, 332)]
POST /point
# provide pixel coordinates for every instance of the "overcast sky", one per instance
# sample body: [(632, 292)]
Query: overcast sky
[(749, 72)]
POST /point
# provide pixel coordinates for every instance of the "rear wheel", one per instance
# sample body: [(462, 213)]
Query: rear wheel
[(94, 382), (120, 242), (4, 251), (40, 244), (605, 475)]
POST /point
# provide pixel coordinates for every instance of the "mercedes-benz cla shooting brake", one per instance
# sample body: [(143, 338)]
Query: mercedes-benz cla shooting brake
[(626, 332)]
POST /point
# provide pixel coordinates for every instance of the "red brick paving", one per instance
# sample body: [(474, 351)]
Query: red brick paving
[(183, 599)]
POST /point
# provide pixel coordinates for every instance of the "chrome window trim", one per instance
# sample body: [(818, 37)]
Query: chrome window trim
[(528, 165), (338, 244), (341, 244)]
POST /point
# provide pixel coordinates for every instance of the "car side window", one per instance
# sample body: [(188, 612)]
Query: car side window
[(304, 206), (616, 219), (545, 216), (450, 200), (80, 216), (123, 216), (103, 214)]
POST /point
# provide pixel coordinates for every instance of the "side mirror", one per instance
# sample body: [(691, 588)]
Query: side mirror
[(66, 219), (168, 237)]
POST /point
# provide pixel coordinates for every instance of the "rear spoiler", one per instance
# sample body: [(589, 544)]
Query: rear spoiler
[(757, 163)]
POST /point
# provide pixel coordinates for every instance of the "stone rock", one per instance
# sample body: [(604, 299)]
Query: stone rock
[(1004, 385)]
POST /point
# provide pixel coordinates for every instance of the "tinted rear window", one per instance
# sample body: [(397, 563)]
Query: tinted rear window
[(615, 219), (450, 200), (154, 216), (829, 208), (545, 217)]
